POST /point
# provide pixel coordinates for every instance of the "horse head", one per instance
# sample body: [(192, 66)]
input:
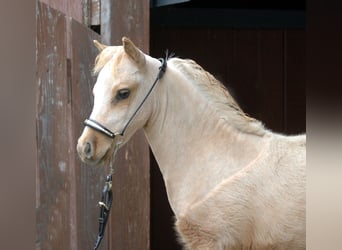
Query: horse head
[(124, 77)]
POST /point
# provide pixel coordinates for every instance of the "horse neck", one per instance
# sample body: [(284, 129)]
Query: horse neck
[(189, 140)]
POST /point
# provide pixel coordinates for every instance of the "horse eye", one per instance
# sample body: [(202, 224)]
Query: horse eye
[(122, 94)]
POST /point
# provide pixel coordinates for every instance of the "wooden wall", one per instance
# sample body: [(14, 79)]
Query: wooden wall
[(68, 191), (72, 9), (83, 11), (130, 220)]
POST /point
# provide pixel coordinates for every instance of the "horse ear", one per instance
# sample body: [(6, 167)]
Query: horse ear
[(99, 45), (133, 51)]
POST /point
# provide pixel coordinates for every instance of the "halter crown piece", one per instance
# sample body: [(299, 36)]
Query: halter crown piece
[(107, 196)]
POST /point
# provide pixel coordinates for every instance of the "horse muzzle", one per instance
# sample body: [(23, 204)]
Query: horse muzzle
[(93, 149)]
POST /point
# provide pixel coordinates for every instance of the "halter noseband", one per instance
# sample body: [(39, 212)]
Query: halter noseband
[(98, 127), (102, 129)]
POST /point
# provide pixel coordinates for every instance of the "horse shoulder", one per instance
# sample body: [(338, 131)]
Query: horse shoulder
[(248, 210), (220, 219)]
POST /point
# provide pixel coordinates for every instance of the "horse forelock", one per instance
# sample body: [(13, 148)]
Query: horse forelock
[(217, 94)]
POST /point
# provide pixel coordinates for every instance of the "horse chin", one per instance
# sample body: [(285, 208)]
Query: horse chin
[(105, 158)]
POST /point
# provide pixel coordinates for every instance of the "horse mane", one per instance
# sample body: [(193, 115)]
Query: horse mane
[(216, 93)]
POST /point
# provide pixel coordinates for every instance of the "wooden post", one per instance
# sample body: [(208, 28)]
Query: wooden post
[(130, 218), (67, 190), (53, 192), (126, 18)]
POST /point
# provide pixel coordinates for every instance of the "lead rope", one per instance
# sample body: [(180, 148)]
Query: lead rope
[(106, 199)]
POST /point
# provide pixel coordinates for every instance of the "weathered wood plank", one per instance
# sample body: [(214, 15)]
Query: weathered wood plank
[(72, 9), (95, 12), (53, 128), (126, 18), (89, 179), (67, 191), (130, 220)]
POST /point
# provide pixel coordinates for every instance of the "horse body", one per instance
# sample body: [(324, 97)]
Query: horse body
[(261, 206), (231, 183), (240, 189)]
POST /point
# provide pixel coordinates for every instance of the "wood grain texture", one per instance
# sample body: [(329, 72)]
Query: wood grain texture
[(89, 180), (126, 18), (72, 9), (53, 120), (130, 219), (95, 12), (67, 190)]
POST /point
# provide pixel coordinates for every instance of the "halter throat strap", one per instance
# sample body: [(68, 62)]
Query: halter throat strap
[(105, 131)]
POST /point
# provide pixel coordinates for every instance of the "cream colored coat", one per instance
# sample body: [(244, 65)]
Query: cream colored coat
[(231, 183)]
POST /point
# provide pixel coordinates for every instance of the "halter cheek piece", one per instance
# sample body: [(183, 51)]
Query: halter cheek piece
[(106, 197)]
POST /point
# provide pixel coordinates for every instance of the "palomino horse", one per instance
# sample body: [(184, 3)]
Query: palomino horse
[(232, 184)]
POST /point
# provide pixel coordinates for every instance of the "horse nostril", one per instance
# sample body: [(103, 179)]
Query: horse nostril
[(87, 150)]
